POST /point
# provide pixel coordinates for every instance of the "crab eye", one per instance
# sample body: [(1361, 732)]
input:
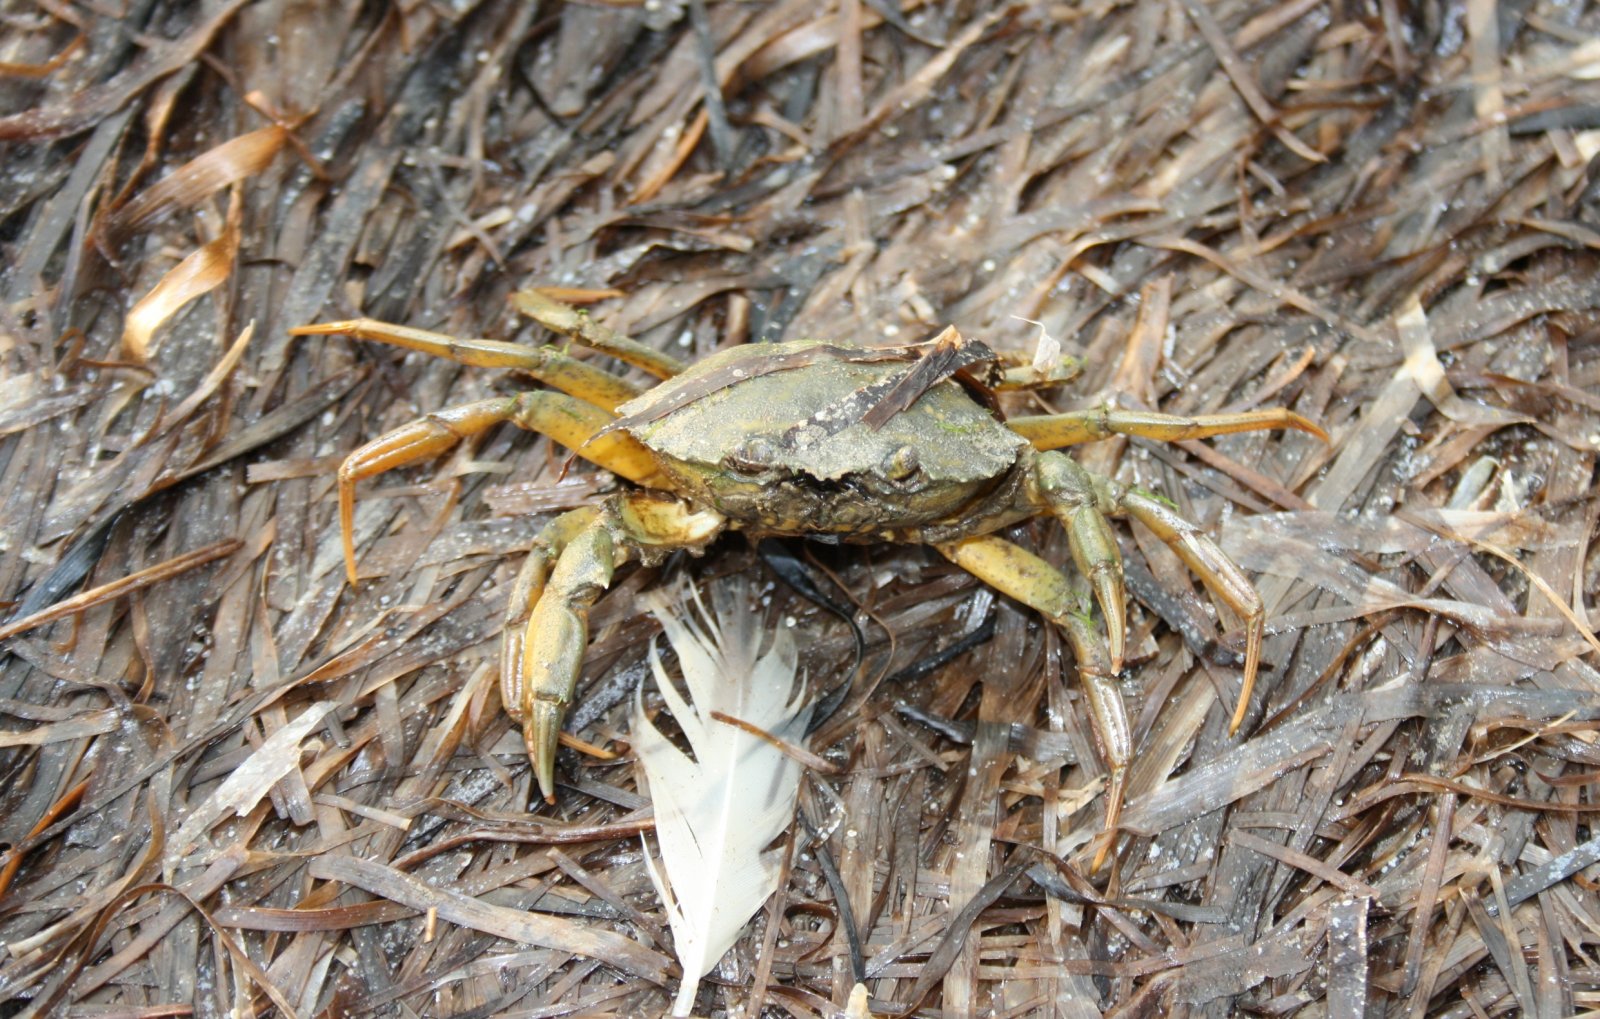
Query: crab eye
[(902, 463), (751, 456)]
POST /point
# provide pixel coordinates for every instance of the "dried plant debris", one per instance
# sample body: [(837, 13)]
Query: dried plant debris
[(235, 785)]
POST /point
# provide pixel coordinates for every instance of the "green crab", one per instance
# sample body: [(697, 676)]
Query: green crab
[(810, 439)]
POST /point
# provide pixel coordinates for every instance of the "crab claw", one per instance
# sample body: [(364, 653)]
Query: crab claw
[(552, 656), (554, 643)]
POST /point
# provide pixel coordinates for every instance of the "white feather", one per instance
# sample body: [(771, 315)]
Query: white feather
[(717, 812)]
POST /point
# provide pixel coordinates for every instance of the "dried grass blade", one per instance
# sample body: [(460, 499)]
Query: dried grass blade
[(91, 723), (214, 378), (153, 929), (251, 781), (238, 955), (84, 109), (1422, 362), (955, 936), (918, 87), (132, 582), (46, 68), (202, 271), (1291, 857), (61, 807), (1245, 82), (205, 175), (1348, 958), (1566, 611), (511, 924)]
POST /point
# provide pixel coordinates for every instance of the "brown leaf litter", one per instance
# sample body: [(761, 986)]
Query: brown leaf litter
[(234, 786)]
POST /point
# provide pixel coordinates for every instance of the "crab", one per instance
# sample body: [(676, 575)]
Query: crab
[(818, 440)]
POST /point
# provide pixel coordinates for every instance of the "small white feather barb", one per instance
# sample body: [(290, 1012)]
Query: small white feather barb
[(717, 812)]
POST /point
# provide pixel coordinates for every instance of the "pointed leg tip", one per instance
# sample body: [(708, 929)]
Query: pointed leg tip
[(1239, 711), (1305, 424), (541, 733), (1112, 598), (1115, 791), (547, 787), (1252, 667), (1117, 649), (547, 784)]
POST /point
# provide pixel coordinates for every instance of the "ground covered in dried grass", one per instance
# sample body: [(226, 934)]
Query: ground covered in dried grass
[(233, 785)]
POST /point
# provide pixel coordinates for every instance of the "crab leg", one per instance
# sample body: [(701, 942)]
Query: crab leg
[(1034, 582), (1052, 431), (578, 326), (1221, 577), (557, 633), (564, 419), (546, 364), (1070, 493), (1022, 374)]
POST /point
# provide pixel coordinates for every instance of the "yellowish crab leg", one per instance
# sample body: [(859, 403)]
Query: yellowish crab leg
[(1063, 488), (580, 326), (1069, 492), (1052, 431), (629, 525), (1021, 374), (546, 364), (1212, 566), (568, 421), (1034, 582)]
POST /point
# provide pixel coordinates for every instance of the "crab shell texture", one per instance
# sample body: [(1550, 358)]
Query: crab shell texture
[(762, 453)]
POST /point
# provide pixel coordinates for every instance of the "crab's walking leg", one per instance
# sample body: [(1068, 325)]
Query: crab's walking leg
[(568, 421), (1034, 582), (1211, 565), (580, 327), (557, 633), (546, 364), (1069, 492), (1022, 374), (1052, 431)]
